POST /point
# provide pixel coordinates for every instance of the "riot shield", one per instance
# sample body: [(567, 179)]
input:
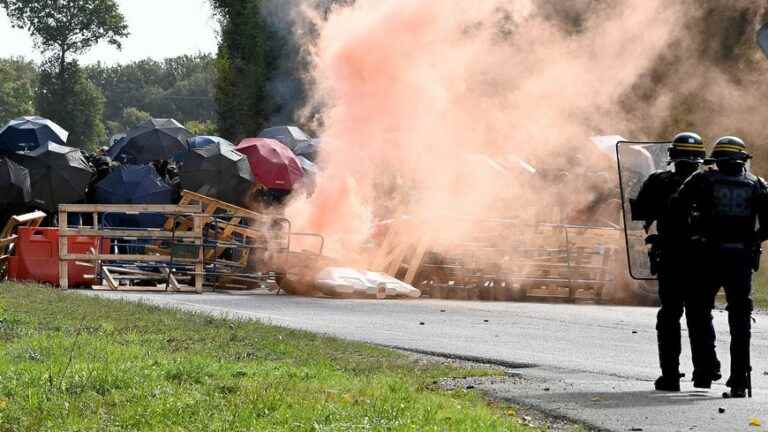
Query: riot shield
[(636, 161), (762, 38)]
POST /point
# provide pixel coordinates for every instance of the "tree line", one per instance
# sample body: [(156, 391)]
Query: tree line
[(94, 102), (97, 101)]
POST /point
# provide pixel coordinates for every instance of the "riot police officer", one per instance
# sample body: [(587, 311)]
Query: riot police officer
[(669, 256), (724, 207)]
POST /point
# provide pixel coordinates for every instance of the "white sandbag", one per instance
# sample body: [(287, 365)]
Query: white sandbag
[(348, 282)]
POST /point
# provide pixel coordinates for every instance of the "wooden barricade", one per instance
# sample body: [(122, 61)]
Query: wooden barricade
[(190, 238), (8, 235), (539, 260), (237, 240)]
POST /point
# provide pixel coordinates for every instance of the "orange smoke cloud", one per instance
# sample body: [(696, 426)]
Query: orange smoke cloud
[(430, 105)]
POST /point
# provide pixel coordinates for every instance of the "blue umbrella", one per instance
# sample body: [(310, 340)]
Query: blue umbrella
[(134, 184), (29, 133), (203, 141)]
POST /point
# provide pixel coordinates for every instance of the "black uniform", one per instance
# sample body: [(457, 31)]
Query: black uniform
[(727, 204), (670, 258)]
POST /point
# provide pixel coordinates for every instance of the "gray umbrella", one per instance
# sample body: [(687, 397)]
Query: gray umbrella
[(152, 140), (218, 171), (308, 149), (58, 174), (290, 136)]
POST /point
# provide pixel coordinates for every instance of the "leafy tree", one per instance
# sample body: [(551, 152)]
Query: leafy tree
[(18, 81), (74, 102), (132, 117), (242, 69), (201, 128), (62, 28), (181, 87)]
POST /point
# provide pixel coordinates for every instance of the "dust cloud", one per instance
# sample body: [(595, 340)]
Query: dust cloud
[(450, 112)]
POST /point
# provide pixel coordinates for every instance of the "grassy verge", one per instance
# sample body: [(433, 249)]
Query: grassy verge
[(69, 362)]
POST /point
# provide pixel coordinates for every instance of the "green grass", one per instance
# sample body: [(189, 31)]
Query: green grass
[(71, 363)]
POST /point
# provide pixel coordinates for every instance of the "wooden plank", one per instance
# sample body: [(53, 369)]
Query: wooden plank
[(9, 240), (34, 218), (200, 265), (149, 233), (110, 280), (418, 257), (129, 208), (63, 244), (129, 271), (117, 257), (231, 209)]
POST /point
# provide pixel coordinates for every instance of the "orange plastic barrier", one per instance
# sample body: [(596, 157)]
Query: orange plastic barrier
[(37, 257)]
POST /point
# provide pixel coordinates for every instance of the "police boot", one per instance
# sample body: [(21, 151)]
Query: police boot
[(704, 380), (669, 383), (737, 392), (738, 389)]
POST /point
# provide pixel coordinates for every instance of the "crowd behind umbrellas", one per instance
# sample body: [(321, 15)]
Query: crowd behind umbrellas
[(151, 164)]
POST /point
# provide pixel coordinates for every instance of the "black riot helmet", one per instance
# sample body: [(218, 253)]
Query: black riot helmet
[(687, 146), (730, 148), (730, 154)]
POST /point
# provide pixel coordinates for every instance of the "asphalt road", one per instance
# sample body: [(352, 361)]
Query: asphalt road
[(594, 364)]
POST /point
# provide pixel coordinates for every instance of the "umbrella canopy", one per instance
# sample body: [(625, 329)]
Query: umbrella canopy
[(58, 174), (290, 136), (308, 149), (134, 184), (217, 171), (203, 141), (308, 166), (273, 164), (14, 183), (310, 174), (29, 133), (154, 139)]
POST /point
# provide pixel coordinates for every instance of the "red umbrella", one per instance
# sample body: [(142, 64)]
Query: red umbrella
[(273, 164)]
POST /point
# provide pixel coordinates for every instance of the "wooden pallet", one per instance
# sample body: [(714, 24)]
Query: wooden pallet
[(539, 259), (128, 267), (8, 236)]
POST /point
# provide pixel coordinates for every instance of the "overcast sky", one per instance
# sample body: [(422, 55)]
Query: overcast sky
[(159, 29)]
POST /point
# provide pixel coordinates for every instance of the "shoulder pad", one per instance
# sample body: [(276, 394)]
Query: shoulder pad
[(761, 182), (659, 175)]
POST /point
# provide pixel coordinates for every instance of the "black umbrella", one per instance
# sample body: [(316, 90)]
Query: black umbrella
[(134, 184), (290, 136), (58, 174), (14, 183), (217, 171), (29, 133), (154, 139)]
